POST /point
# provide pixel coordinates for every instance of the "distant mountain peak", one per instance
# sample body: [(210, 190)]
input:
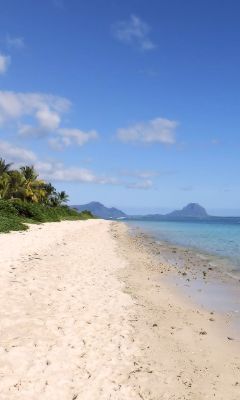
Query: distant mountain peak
[(96, 203), (192, 210)]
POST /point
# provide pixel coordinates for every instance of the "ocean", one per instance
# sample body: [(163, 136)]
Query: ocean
[(219, 239)]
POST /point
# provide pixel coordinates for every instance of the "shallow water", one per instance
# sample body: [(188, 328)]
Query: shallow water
[(219, 239), (201, 247)]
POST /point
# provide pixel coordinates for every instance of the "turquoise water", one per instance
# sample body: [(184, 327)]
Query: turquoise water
[(219, 239)]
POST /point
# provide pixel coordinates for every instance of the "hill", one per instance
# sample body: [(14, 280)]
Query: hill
[(192, 210), (101, 211)]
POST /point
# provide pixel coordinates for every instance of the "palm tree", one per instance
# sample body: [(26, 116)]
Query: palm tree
[(34, 189), (29, 173), (16, 182), (63, 197), (4, 185), (4, 167), (24, 184), (50, 189)]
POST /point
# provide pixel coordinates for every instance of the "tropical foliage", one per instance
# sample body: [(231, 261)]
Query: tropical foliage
[(24, 184), (26, 198)]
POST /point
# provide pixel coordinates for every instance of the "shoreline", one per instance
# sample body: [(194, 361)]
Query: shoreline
[(233, 264), (189, 339), (198, 271), (87, 313)]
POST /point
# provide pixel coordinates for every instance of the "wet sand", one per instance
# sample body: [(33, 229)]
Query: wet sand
[(194, 352), (210, 281)]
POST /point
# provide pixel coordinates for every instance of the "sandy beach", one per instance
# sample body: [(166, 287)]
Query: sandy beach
[(87, 313)]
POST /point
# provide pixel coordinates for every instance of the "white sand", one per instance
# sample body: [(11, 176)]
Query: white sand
[(70, 331), (64, 319)]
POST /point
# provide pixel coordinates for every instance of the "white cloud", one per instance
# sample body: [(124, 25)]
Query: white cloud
[(144, 184), (16, 154), (67, 137), (74, 174), (159, 130), (47, 122), (16, 105), (60, 173), (48, 119), (4, 63), (134, 32), (46, 111), (33, 131), (15, 42), (56, 171), (52, 170)]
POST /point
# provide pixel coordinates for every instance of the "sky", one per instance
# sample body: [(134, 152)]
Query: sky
[(132, 103)]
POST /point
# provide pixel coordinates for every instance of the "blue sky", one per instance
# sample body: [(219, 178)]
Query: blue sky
[(132, 103)]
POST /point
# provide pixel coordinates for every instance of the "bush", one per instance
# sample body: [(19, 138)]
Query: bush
[(6, 208), (86, 215), (13, 214), (8, 224), (28, 210)]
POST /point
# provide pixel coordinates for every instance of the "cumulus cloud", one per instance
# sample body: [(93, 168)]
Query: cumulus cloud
[(46, 111), (48, 119), (74, 174), (16, 42), (16, 154), (40, 106), (57, 171), (67, 137), (134, 31), (52, 170), (4, 63), (159, 130)]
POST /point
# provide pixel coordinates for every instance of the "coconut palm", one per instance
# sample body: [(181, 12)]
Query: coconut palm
[(34, 189), (63, 197), (17, 182), (24, 184), (29, 173), (4, 185), (4, 167)]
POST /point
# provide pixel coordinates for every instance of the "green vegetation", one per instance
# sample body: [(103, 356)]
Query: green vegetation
[(26, 199)]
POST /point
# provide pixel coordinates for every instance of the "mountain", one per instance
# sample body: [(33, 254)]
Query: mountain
[(192, 210), (99, 210)]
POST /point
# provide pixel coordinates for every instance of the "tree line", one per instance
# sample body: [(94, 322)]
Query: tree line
[(24, 184)]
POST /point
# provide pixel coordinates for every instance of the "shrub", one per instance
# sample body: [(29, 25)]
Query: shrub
[(8, 224), (7, 209), (28, 210), (13, 214)]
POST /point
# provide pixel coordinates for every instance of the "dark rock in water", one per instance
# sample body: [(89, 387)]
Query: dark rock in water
[(99, 210)]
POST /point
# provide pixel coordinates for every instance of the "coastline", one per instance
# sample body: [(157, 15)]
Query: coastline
[(191, 349), (208, 279), (87, 313)]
